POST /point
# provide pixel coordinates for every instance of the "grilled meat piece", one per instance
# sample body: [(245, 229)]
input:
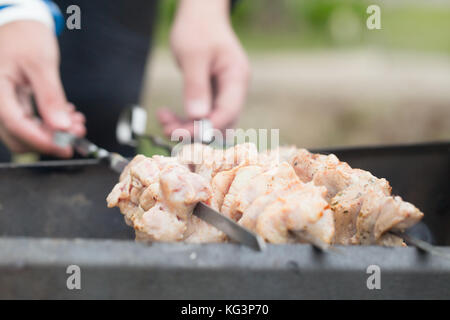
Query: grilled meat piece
[(207, 161), (296, 213), (157, 196), (357, 199), (242, 190)]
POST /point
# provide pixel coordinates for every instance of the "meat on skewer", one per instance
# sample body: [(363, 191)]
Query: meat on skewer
[(286, 195), (157, 196), (363, 207)]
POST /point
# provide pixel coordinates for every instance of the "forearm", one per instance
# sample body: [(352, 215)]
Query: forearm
[(200, 9)]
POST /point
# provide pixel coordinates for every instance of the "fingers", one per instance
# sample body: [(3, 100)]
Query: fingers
[(232, 83), (166, 116), (13, 144), (197, 96), (197, 87), (78, 121), (48, 91), (171, 122), (78, 125), (56, 112), (22, 132)]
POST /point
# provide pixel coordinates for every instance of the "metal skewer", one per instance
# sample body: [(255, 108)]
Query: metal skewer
[(413, 241), (117, 162), (420, 244), (132, 124)]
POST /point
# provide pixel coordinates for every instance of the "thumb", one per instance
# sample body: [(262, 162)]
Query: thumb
[(49, 93), (197, 89)]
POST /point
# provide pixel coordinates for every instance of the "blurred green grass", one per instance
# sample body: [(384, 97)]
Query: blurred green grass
[(271, 29), (311, 24)]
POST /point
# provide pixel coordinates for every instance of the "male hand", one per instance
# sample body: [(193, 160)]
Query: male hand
[(214, 66), (29, 65)]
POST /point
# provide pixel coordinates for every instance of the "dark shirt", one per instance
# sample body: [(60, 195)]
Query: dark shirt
[(103, 64)]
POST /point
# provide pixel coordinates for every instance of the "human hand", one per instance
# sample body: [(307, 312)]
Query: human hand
[(214, 66), (29, 65)]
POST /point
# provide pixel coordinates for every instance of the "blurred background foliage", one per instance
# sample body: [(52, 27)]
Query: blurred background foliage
[(309, 24), (323, 78)]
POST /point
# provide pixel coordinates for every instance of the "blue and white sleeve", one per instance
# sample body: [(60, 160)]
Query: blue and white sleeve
[(44, 11)]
